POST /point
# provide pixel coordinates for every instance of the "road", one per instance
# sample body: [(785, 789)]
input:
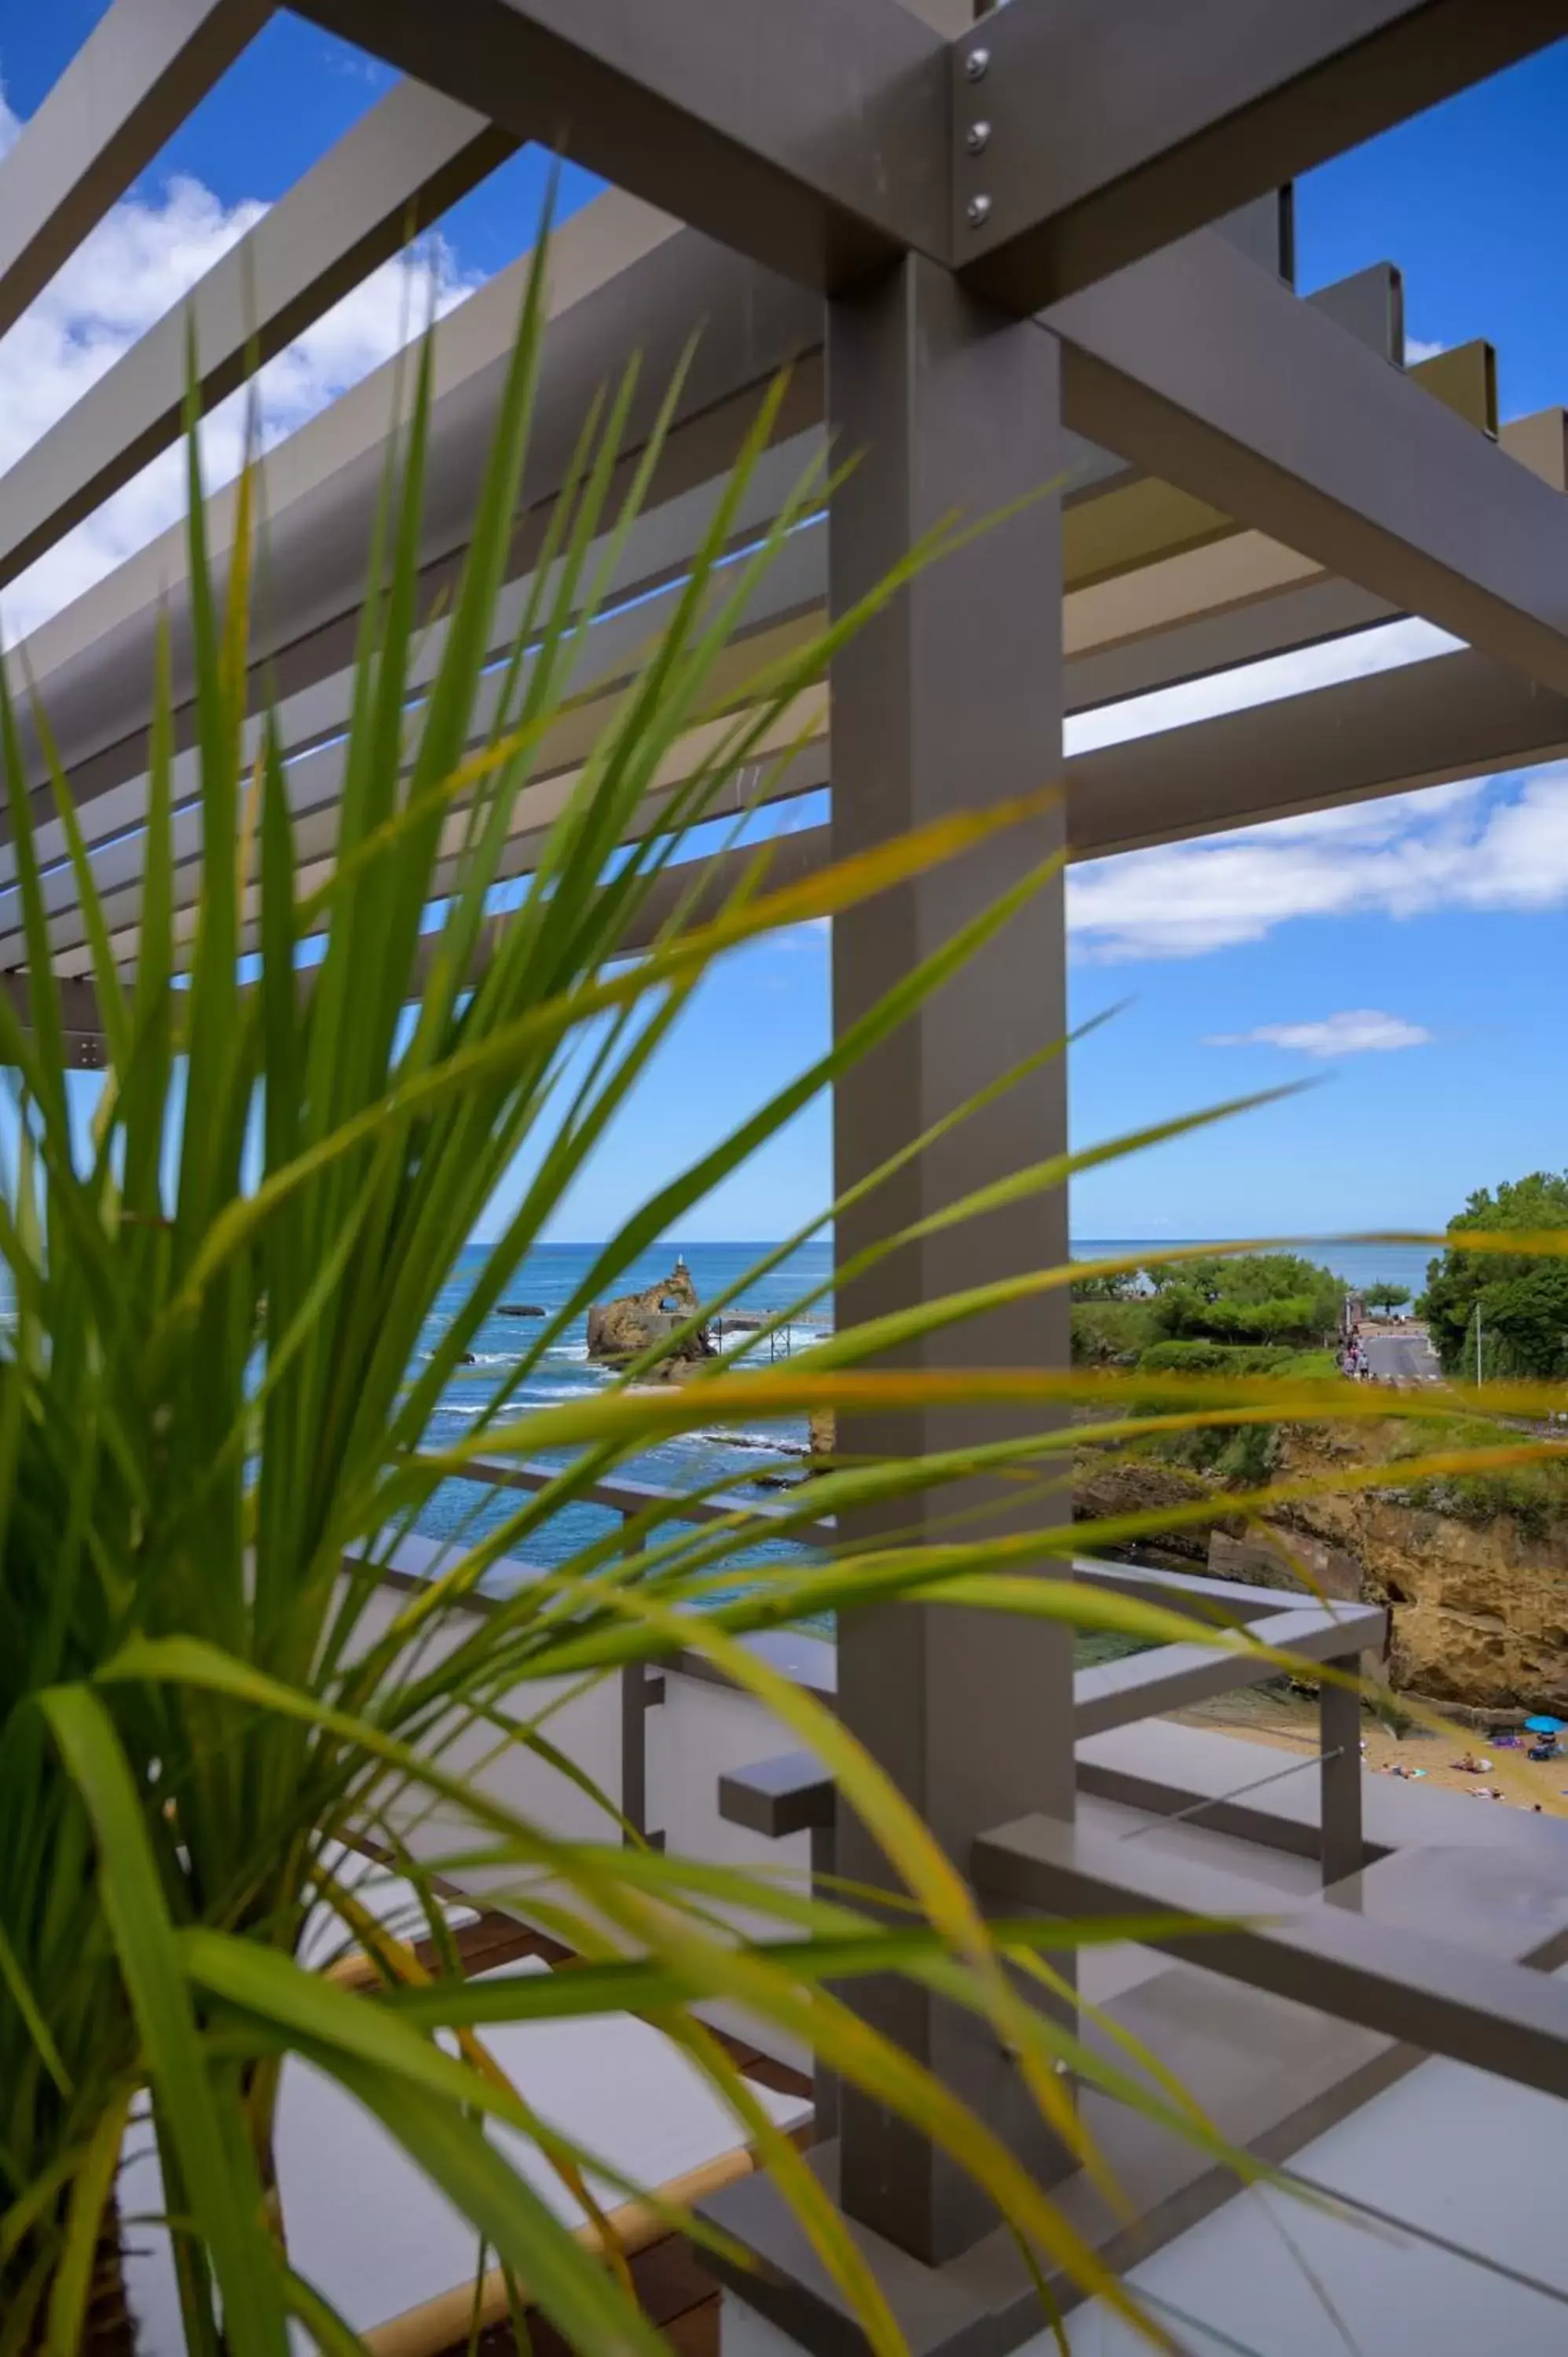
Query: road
[(1399, 1356)]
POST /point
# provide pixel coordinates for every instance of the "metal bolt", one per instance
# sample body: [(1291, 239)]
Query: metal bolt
[(978, 210), (976, 64), (977, 138)]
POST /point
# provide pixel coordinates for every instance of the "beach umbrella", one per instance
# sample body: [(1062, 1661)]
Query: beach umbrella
[(1544, 1725)]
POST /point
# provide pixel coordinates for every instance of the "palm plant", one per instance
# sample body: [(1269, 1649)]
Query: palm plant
[(215, 1428)]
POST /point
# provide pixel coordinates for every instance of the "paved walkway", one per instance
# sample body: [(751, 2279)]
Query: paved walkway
[(1397, 1354)]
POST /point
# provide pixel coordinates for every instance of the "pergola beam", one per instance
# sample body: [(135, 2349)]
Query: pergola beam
[(1090, 132), (812, 137), (129, 87), (393, 173), (1050, 145), (1441, 499), (1205, 371)]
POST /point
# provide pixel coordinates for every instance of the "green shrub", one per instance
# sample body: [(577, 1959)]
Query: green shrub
[(1536, 1496), (1110, 1333), (1203, 1358)]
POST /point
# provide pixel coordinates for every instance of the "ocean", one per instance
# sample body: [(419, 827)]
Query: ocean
[(547, 1279)]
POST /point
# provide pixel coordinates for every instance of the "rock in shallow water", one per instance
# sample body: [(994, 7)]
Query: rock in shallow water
[(638, 1323)]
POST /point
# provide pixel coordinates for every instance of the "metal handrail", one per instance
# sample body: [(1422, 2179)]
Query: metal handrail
[(623, 1496), (1108, 1694), (641, 1689), (1189, 1593)]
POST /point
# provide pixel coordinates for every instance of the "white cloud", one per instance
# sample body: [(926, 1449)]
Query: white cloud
[(144, 257), (1479, 846), (1360, 1031), (1416, 350)]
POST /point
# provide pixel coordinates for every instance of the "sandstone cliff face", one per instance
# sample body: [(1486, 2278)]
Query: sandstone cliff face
[(1479, 1611), (1103, 1489)]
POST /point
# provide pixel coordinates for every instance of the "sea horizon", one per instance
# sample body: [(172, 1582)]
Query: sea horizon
[(1357, 1263)]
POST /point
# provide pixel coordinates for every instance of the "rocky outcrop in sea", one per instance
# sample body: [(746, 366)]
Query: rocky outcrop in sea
[(628, 1329)]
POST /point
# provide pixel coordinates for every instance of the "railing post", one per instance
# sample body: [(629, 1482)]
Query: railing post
[(1339, 1741), (776, 1797), (950, 699), (824, 2084), (640, 1689)]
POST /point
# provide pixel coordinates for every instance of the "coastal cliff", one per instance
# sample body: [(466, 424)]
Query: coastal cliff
[(1477, 1594)]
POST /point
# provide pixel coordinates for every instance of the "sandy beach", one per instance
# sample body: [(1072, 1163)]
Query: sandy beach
[(1289, 1722)]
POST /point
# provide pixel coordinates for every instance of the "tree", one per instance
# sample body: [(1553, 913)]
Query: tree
[(1101, 1288), (1110, 1333), (1254, 1298), (1386, 1294), (1522, 1298)]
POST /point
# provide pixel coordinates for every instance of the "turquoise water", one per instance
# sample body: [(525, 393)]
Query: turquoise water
[(547, 1279)]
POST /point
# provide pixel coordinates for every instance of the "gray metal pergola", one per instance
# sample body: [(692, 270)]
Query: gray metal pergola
[(1050, 243)]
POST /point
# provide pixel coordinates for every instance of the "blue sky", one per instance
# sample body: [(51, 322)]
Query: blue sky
[(1406, 959)]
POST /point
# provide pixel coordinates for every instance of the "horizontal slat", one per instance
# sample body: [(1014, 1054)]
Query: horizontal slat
[(1205, 371), (1453, 717), (798, 729), (93, 662), (139, 72), (656, 547), (694, 890), (607, 658), (1211, 609), (1223, 799), (395, 171), (624, 279), (805, 772)]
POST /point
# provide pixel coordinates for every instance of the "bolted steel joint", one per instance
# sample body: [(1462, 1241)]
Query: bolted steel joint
[(976, 65), (977, 212), (977, 138)]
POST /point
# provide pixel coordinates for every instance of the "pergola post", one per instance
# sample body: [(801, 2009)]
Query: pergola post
[(951, 698)]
